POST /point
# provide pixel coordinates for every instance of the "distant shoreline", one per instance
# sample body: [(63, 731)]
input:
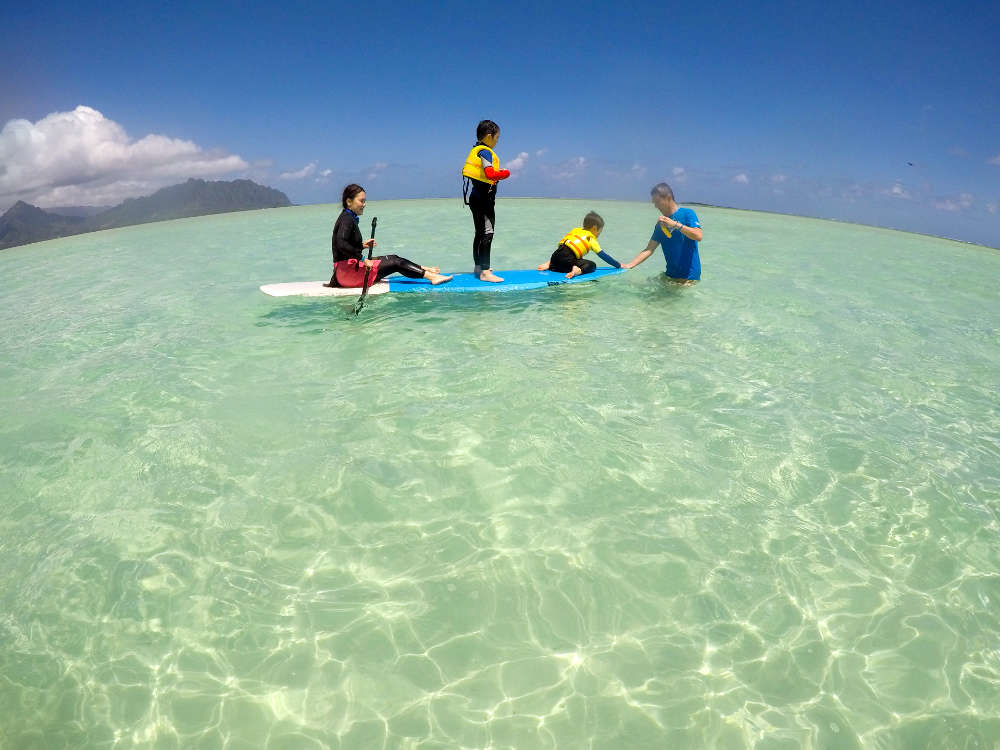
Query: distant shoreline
[(83, 226), (702, 205)]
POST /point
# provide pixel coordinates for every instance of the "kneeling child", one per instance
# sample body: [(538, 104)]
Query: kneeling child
[(568, 257)]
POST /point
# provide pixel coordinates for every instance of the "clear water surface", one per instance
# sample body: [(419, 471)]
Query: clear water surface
[(756, 513)]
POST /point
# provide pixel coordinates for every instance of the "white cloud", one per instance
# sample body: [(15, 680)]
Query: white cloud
[(95, 195), (638, 170), (993, 207), (779, 179), (517, 164), (995, 160), (82, 157), (741, 179), (851, 194), (961, 203), (299, 174), (541, 152), (380, 166), (898, 191), (570, 169), (326, 173)]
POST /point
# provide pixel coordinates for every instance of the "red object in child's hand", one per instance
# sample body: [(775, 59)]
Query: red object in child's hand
[(497, 174)]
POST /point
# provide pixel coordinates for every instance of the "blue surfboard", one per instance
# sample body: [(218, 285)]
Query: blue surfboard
[(513, 281)]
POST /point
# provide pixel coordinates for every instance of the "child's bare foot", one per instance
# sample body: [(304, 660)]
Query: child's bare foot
[(544, 266), (575, 272), (436, 278), (488, 275), (432, 269)]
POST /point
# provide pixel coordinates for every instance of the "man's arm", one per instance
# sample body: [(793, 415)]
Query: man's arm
[(692, 233), (650, 247)]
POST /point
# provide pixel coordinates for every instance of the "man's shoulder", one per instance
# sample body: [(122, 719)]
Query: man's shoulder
[(689, 214)]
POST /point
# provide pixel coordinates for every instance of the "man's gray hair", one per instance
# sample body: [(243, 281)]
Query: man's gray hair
[(662, 190)]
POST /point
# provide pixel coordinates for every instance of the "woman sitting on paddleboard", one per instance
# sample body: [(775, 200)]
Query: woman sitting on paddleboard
[(348, 259)]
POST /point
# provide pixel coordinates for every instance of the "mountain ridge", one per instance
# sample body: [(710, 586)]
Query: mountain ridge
[(24, 223)]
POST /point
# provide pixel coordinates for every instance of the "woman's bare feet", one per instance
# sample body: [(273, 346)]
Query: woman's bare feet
[(488, 275), (436, 278)]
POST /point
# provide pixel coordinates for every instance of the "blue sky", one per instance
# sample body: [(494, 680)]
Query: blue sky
[(812, 109)]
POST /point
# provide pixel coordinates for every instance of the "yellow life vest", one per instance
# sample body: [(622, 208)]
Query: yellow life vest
[(580, 241), (474, 164)]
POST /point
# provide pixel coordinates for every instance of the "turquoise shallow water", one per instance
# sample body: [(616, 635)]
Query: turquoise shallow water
[(756, 513)]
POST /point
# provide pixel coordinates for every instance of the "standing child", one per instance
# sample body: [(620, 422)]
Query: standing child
[(481, 174), (568, 257)]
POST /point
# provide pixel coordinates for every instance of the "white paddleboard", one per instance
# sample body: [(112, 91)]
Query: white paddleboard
[(316, 289)]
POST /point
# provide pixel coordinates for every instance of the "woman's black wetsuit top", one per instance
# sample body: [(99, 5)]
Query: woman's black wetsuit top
[(347, 242)]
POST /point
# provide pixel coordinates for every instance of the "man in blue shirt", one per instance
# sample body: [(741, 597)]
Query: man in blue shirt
[(678, 232)]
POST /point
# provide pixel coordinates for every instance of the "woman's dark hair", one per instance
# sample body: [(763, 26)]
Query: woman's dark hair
[(486, 127), (350, 192)]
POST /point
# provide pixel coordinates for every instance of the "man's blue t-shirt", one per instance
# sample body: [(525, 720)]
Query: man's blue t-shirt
[(680, 252)]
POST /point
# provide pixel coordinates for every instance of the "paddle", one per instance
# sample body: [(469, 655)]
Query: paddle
[(364, 290)]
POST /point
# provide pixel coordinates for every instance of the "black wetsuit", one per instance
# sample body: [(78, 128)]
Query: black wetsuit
[(563, 260), (482, 202), (347, 243), (482, 199)]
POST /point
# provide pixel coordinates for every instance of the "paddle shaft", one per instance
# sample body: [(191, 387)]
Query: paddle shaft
[(364, 289)]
